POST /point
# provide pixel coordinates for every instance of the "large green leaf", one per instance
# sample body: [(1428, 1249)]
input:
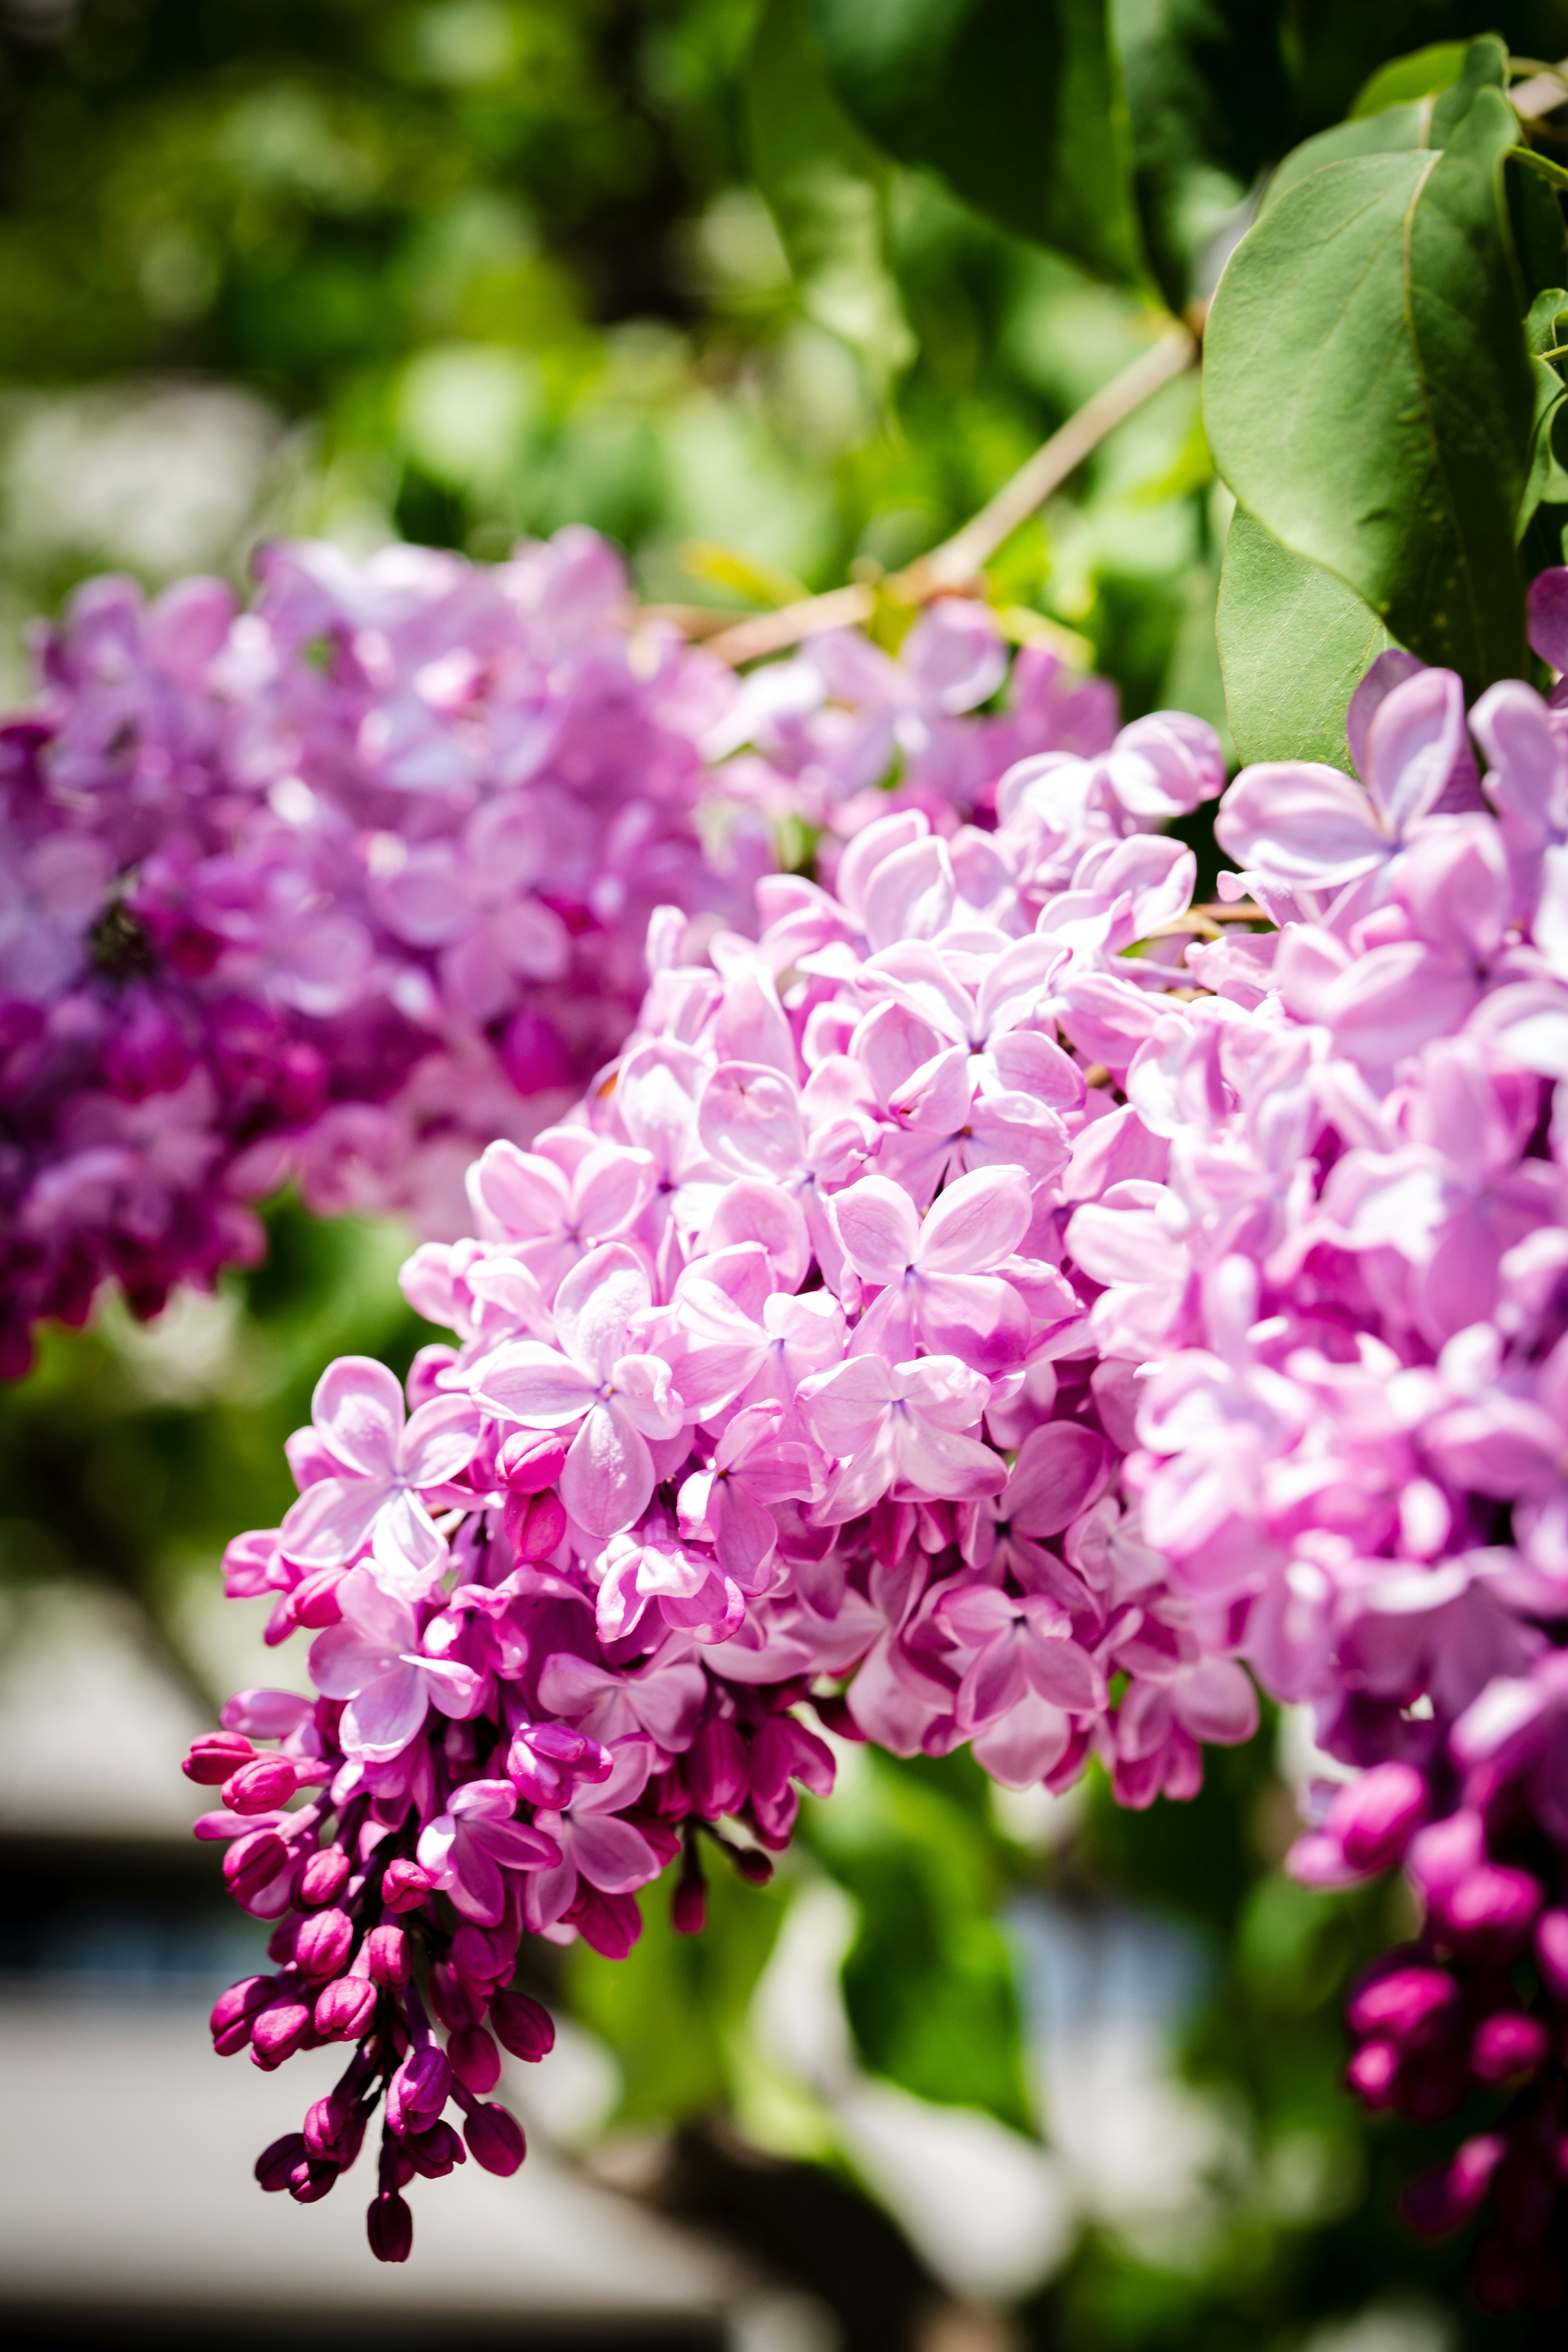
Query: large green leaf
[(1369, 394), (1294, 644), (1018, 103)]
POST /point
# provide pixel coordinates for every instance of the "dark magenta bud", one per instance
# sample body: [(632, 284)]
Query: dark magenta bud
[(315, 1602), (475, 2060), (1371, 2072), (534, 1524), (1377, 1817), (311, 2179), (252, 1863), (1442, 2200), (404, 1885), (262, 1785), (455, 2002), (323, 1942), (215, 1756), (482, 1957), (390, 2228), (343, 2010), (278, 2031), (716, 1771), (495, 2139), (326, 2123), (1551, 1951), (1506, 2044), (530, 1460), (1411, 2005), (418, 2091), (689, 1907), (235, 2011), (387, 1956), (1493, 1904), (320, 1877), (434, 2152), (275, 2164), (756, 1869), (525, 2027)]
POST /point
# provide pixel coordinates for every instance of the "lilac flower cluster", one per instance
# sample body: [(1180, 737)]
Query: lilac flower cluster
[(335, 888), (1345, 1279), (776, 1393)]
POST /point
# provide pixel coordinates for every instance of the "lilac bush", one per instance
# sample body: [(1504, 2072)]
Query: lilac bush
[(339, 889)]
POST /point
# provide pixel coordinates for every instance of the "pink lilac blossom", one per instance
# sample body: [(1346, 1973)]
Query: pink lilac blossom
[(1334, 1267), (343, 886), (775, 1393)]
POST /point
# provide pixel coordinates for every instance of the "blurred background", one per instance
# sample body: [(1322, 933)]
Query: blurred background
[(979, 2071)]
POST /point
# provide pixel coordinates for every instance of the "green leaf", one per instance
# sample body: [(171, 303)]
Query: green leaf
[(1420, 75), (1018, 103), (824, 185), (674, 2012), (929, 1981), (1294, 644), (1368, 390)]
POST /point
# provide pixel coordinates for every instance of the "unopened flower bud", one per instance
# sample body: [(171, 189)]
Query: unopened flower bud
[(689, 1907), (235, 2011), (755, 1868), (275, 2163), (387, 1956), (1444, 2200), (534, 1524), (1372, 2071), (1493, 1904), (1377, 1817), (404, 1885), (455, 2002), (1508, 2043), (322, 1877), (716, 1769), (526, 2028), (315, 1604), (481, 1957), (326, 2122), (475, 2060), (343, 2010), (262, 1785), (278, 2031), (1551, 1950), (390, 2228), (323, 1942), (215, 1756), (1411, 2005), (420, 2090), (434, 2151), (313, 2177), (252, 1863), (530, 1459), (495, 2139)]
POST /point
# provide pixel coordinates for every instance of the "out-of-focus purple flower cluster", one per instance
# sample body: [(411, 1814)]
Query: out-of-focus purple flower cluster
[(1344, 1274), (336, 888), (776, 1392), (344, 886)]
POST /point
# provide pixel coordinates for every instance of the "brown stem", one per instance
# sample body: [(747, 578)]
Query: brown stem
[(956, 563)]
